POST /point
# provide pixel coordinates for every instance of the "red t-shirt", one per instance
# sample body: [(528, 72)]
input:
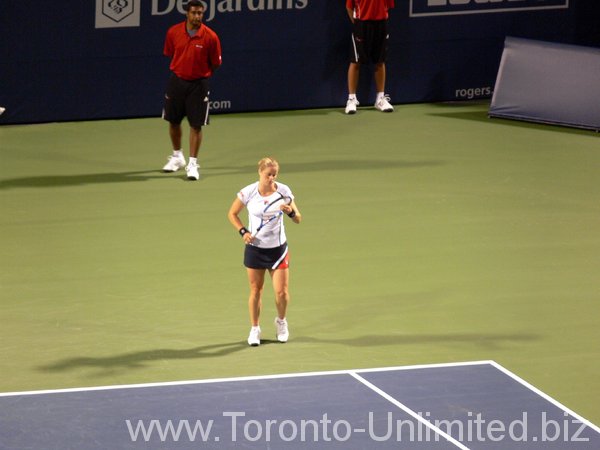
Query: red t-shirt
[(192, 57), (370, 9)]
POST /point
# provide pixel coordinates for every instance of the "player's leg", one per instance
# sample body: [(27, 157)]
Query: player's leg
[(281, 278), (256, 279)]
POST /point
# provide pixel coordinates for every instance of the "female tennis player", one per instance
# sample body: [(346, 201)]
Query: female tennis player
[(267, 201)]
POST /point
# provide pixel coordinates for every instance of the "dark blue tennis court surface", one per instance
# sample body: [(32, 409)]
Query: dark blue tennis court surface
[(476, 405)]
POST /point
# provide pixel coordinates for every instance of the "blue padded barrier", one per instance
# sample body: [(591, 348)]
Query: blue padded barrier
[(548, 83)]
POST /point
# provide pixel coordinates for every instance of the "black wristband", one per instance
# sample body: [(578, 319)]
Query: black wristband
[(243, 231), (292, 214)]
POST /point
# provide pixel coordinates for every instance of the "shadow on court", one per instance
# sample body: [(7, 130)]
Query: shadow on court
[(487, 341), (80, 180), (206, 172), (139, 360), (456, 110)]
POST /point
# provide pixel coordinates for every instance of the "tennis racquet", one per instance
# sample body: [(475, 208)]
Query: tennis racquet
[(272, 211)]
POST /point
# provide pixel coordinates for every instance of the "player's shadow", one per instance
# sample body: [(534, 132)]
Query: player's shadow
[(140, 360), (80, 180), (487, 341)]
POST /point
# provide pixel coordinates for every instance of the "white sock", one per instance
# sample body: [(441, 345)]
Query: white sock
[(380, 95), (352, 97), (193, 161), (178, 153)]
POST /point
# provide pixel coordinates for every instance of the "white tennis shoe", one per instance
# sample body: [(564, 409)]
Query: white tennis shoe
[(192, 171), (351, 105), (383, 104), (282, 329), (174, 164), (254, 337)]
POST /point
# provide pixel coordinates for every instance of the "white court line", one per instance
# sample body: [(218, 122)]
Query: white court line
[(409, 411), (354, 373), (311, 374), (248, 378), (545, 396)]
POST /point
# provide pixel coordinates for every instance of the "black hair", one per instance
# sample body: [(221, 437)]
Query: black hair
[(194, 3)]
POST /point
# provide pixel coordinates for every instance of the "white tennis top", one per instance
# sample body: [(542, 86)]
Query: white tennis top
[(273, 233)]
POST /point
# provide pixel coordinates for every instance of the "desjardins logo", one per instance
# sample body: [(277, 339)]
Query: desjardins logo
[(117, 13), (214, 7), (126, 13)]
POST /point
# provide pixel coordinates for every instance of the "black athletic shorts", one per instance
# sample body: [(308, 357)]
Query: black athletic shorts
[(186, 99), (369, 41), (266, 258)]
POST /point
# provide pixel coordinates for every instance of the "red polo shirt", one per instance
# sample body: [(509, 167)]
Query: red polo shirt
[(370, 9), (192, 57)]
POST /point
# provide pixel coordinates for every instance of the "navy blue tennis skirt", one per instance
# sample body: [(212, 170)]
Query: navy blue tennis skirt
[(266, 258)]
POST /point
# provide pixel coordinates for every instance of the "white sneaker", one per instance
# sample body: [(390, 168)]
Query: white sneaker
[(282, 329), (383, 104), (192, 171), (351, 105), (2, 109), (254, 337), (174, 164)]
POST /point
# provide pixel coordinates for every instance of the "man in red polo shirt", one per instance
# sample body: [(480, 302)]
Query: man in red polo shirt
[(195, 52), (369, 45)]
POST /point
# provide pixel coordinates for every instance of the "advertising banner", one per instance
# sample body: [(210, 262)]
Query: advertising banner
[(103, 58)]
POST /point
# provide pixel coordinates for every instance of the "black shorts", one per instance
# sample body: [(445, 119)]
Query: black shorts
[(266, 258), (187, 99), (369, 41)]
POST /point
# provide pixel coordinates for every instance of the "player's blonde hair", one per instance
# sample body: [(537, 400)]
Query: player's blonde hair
[(267, 162)]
